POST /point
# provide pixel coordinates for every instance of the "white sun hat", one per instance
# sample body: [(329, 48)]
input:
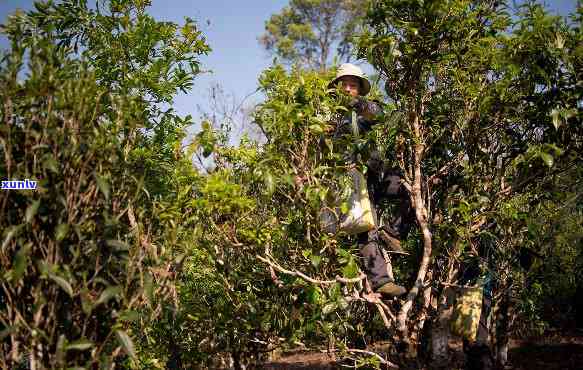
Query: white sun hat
[(348, 69)]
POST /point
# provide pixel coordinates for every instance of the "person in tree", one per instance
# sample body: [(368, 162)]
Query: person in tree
[(382, 181)]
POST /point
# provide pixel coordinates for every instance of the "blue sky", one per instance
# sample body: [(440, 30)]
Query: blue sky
[(236, 59)]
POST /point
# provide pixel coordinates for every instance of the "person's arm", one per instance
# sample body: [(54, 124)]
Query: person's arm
[(368, 113), (369, 110)]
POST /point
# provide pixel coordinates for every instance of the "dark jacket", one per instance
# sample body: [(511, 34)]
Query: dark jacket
[(366, 112), (383, 180)]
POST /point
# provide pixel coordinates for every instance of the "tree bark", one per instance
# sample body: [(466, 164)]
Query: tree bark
[(440, 331), (421, 216), (420, 329), (502, 327)]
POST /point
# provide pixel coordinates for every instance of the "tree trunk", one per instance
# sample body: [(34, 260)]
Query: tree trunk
[(421, 324), (237, 361), (32, 356), (502, 328), (440, 333), (421, 213)]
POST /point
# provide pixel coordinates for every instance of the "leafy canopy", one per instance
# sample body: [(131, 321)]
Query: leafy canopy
[(307, 31)]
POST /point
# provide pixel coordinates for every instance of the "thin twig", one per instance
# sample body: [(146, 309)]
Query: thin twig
[(443, 170), (383, 316), (274, 277), (338, 279), (375, 298), (459, 286), (387, 309), (371, 353)]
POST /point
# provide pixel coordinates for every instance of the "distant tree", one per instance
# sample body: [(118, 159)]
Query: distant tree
[(307, 31)]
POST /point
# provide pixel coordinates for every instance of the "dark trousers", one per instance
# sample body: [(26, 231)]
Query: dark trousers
[(374, 262), (384, 184)]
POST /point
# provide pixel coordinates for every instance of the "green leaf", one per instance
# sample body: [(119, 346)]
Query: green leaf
[(329, 307), (31, 210), (117, 245), (86, 303), (342, 303), (13, 231), (107, 294), (207, 150), (313, 295), (80, 345), (43, 267), (129, 316), (64, 284), (555, 117), (315, 260), (329, 144), (103, 185), (60, 350), (269, 182), (350, 270), (344, 207), (547, 158), (20, 262), (149, 288), (51, 164), (317, 129), (344, 255), (483, 199), (335, 291), (61, 231), (126, 342)]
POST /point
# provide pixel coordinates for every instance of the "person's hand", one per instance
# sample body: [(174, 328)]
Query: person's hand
[(299, 180), (350, 166), (329, 128)]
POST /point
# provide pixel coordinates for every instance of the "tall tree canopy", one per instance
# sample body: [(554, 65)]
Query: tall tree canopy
[(492, 116), (311, 32)]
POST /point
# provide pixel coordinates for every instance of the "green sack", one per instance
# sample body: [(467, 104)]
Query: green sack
[(466, 314)]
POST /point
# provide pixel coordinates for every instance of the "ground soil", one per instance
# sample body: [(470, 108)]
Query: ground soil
[(555, 351)]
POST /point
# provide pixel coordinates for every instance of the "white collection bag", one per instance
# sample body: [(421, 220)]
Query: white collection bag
[(359, 217)]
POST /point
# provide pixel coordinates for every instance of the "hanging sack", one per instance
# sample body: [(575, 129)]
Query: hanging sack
[(353, 192), (466, 314)]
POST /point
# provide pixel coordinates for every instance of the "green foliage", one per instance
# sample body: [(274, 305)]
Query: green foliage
[(491, 144), (251, 205), (70, 262), (127, 49), (486, 140), (552, 279), (492, 101), (306, 31), (126, 256), (130, 53), (85, 257)]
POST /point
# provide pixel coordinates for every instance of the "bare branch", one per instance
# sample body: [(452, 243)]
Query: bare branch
[(371, 353), (299, 274)]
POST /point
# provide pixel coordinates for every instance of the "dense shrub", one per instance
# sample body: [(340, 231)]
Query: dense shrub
[(82, 266)]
